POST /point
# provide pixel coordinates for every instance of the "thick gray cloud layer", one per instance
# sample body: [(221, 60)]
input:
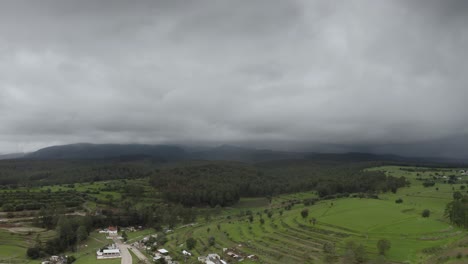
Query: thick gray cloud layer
[(365, 73)]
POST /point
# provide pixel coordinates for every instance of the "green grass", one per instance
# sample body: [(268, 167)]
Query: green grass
[(14, 243), (87, 250), (134, 257), (138, 235), (288, 238), (291, 239)]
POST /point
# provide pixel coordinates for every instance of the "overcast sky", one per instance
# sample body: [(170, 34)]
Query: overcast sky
[(289, 74)]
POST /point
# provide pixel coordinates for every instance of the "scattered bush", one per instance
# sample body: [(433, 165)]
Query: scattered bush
[(428, 183), (383, 245), (305, 213), (211, 241), (432, 250), (33, 253), (329, 248), (426, 213), (191, 243), (70, 259)]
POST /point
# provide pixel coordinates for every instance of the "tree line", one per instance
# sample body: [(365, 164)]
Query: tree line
[(223, 183), (457, 210)]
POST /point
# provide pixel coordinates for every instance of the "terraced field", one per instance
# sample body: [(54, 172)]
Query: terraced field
[(289, 238), (284, 236), (15, 241)]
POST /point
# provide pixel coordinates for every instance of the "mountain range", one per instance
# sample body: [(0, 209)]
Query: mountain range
[(84, 151)]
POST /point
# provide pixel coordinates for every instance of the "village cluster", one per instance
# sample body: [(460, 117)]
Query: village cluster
[(149, 245)]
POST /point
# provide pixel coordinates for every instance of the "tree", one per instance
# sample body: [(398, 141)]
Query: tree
[(457, 210), (383, 245), (305, 213), (355, 253), (211, 241), (81, 234), (314, 220), (426, 213), (457, 195), (65, 232), (428, 183), (329, 248), (360, 254), (124, 236), (70, 259), (330, 254), (38, 242), (33, 253), (191, 243), (161, 261), (161, 238), (270, 214)]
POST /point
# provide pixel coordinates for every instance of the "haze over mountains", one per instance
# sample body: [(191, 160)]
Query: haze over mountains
[(164, 153)]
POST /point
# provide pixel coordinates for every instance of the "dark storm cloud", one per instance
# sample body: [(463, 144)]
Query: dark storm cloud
[(299, 73)]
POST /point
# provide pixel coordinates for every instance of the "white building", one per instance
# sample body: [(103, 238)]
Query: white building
[(163, 251), (111, 230), (108, 252), (212, 259)]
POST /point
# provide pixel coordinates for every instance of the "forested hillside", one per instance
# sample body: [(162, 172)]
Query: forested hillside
[(223, 183), (194, 183)]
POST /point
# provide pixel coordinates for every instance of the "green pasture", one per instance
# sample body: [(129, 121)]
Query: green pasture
[(86, 252), (287, 237), (292, 239), (15, 241)]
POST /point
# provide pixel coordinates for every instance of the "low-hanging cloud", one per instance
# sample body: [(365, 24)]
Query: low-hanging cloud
[(367, 73)]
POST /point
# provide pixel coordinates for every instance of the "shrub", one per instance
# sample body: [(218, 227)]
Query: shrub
[(70, 259), (191, 243), (211, 241), (33, 253), (329, 248), (270, 214), (428, 183), (305, 213), (399, 200), (383, 245), (426, 213)]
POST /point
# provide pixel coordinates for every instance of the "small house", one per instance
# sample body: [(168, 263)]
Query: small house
[(112, 230), (163, 251)]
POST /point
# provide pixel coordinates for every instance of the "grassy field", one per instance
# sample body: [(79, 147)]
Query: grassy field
[(285, 236), (15, 241), (289, 238), (87, 250)]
